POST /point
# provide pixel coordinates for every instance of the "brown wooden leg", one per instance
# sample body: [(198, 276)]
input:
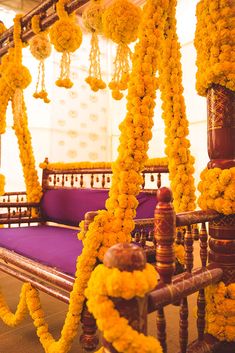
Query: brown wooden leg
[(89, 338)]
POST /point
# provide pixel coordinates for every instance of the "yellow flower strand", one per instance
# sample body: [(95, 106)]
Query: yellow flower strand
[(102, 165), (14, 78), (92, 20), (115, 225), (215, 44), (105, 283), (66, 36), (40, 48), (120, 24), (181, 162)]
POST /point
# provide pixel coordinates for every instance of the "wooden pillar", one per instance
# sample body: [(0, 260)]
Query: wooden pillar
[(128, 257), (221, 151), (164, 233)]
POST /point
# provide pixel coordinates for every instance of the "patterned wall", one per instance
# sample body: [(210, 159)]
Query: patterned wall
[(79, 116)]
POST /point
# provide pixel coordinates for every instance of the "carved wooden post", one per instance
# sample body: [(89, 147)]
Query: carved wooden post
[(164, 232), (128, 257), (221, 150), (89, 338)]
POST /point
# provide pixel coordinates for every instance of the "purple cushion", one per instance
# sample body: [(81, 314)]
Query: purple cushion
[(68, 206), (52, 246)]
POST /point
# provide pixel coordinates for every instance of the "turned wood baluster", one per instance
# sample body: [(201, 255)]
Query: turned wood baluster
[(103, 180), (183, 332), (89, 338), (81, 180), (92, 180), (201, 302), (72, 180), (164, 233), (159, 180), (128, 257)]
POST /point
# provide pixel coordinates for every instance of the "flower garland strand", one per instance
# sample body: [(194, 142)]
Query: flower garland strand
[(105, 283), (215, 44), (66, 36), (92, 20), (163, 162), (114, 225), (15, 77), (40, 48), (120, 24), (181, 162)]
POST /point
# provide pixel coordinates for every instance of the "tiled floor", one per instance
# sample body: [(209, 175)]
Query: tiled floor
[(23, 339)]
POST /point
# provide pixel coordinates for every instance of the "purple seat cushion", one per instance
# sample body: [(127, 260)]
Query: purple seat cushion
[(68, 206), (56, 247)]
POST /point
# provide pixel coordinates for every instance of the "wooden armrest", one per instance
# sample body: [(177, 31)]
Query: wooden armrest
[(19, 212)]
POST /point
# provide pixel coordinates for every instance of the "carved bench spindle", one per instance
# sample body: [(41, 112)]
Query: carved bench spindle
[(164, 232), (183, 332), (92, 180), (103, 181), (159, 180), (81, 180)]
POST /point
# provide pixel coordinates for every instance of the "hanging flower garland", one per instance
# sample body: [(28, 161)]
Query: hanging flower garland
[(105, 283), (14, 78), (40, 48), (66, 36), (215, 45), (120, 24), (115, 224), (181, 162), (92, 20)]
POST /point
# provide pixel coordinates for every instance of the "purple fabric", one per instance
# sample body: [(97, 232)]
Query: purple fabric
[(52, 246), (68, 206)]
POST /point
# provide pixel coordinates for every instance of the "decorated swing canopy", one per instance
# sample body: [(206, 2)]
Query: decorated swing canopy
[(154, 64)]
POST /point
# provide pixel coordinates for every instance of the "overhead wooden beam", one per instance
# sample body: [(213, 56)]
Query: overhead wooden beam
[(48, 15)]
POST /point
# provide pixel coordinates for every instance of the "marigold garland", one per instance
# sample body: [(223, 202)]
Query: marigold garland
[(220, 311), (2, 28), (181, 162), (105, 283), (215, 44), (217, 187), (14, 78), (66, 36), (120, 24), (92, 20), (115, 224), (102, 165), (40, 48)]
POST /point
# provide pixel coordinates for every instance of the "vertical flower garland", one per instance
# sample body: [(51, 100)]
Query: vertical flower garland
[(181, 162), (66, 36), (40, 48), (120, 24), (215, 44), (92, 20), (15, 77), (114, 225)]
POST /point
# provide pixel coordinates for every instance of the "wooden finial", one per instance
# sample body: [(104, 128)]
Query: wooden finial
[(125, 257)]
